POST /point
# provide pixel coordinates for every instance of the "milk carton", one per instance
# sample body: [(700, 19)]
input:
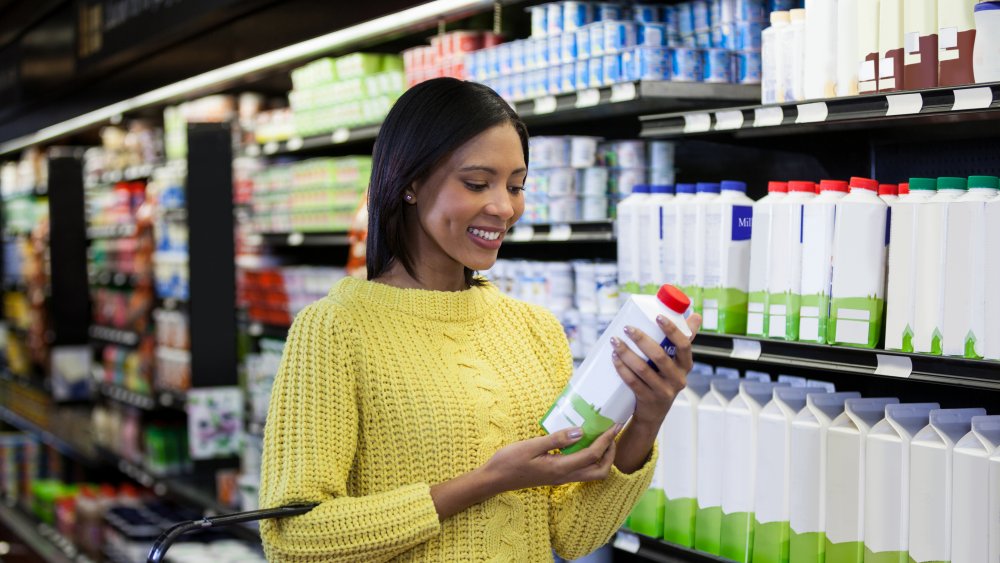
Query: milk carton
[(965, 261), (596, 398), (773, 472), (889, 193), (820, 59), (890, 45), (866, 54), (994, 507), (971, 492), (710, 454), (903, 250), (887, 480), (931, 456), (859, 243), (727, 259), (738, 466), (818, 218), (932, 219), (920, 44), (845, 478), (651, 238), (956, 42), (679, 241), (629, 248), (693, 224), (848, 48), (991, 345), (784, 278), (760, 258), (807, 475)]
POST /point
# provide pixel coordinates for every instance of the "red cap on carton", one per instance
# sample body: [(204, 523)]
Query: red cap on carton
[(888, 189), (833, 186), (864, 183), (781, 187), (796, 186), (904, 188), (673, 298)]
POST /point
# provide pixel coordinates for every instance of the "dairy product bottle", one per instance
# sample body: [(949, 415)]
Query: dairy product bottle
[(965, 259), (596, 398), (693, 224), (651, 238), (991, 243), (807, 475), (848, 48), (904, 188), (820, 73), (903, 250), (760, 261), (956, 41), (627, 225), (986, 55), (710, 456), (818, 217), (791, 56), (971, 492), (858, 290), (890, 45), (866, 55), (932, 218), (784, 278), (727, 259), (772, 73), (888, 193), (679, 240), (920, 44)]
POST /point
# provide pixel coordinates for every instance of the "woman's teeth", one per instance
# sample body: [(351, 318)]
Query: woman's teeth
[(485, 235)]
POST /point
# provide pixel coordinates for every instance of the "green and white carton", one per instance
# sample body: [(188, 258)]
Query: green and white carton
[(965, 260), (931, 457), (991, 344), (678, 241), (818, 218), (807, 475), (738, 468), (710, 454), (845, 478), (928, 315), (974, 496), (651, 240), (772, 493), (760, 256), (903, 250), (693, 223), (784, 278), (887, 481), (859, 255), (728, 221), (628, 240), (994, 507)]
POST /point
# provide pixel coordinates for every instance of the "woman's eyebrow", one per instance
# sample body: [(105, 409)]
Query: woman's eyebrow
[(487, 169)]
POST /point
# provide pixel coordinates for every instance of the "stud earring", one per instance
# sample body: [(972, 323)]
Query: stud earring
[(409, 197)]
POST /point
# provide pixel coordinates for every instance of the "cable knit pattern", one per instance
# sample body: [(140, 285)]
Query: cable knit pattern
[(383, 392)]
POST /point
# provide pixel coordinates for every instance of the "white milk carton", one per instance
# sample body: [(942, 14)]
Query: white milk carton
[(860, 238), (651, 240), (971, 510), (866, 49), (845, 478), (994, 507), (760, 257), (820, 59), (991, 345), (931, 456), (772, 494), (847, 46), (738, 465), (679, 241), (710, 454), (932, 218), (784, 277), (818, 219), (903, 250), (693, 224), (807, 475), (629, 247), (727, 259), (965, 270), (596, 398), (887, 480)]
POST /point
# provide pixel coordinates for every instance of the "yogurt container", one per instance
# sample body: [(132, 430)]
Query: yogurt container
[(597, 38), (553, 18), (685, 65), (718, 66), (567, 77), (554, 79), (612, 65), (646, 13), (582, 70), (576, 15), (652, 63), (518, 55), (553, 49), (652, 35), (595, 74), (568, 49), (618, 36), (539, 20), (582, 42), (747, 67)]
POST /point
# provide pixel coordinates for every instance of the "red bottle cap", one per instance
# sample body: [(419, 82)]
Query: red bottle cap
[(673, 298), (781, 187), (802, 187), (833, 186), (904, 188), (864, 183), (888, 189)]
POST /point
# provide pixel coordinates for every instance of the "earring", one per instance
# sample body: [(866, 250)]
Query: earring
[(409, 197)]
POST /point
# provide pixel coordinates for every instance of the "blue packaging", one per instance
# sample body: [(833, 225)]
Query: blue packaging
[(553, 18), (685, 65), (539, 20), (576, 15), (554, 80), (567, 77), (536, 83), (670, 18), (702, 17), (715, 11), (568, 48), (629, 65), (596, 39), (618, 36), (505, 87), (505, 63), (517, 55), (582, 42), (596, 72), (652, 35), (688, 41), (748, 35), (685, 18), (518, 86), (747, 67), (537, 53), (646, 13), (553, 47), (781, 5), (651, 63), (717, 66), (613, 73), (608, 11), (703, 40), (749, 10), (677, 41), (582, 71), (492, 66), (475, 63), (723, 36)]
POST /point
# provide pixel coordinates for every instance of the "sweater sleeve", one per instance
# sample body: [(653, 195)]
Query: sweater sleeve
[(309, 447), (584, 516)]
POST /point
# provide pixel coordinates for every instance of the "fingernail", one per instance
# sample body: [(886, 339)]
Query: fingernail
[(615, 342), (661, 319), (628, 330), (614, 356), (618, 428), (575, 433)]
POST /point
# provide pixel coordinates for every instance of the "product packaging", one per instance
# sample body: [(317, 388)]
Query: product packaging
[(651, 238), (903, 250), (760, 258), (693, 223), (678, 240), (866, 50), (991, 241), (818, 219), (710, 458), (890, 45), (629, 242), (956, 42), (820, 80), (920, 44), (847, 49), (728, 222), (975, 498), (784, 277)]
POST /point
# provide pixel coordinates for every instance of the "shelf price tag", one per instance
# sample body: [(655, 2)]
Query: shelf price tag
[(812, 113), (341, 135), (295, 143), (972, 98), (893, 366), (745, 349), (730, 119), (588, 98), (271, 147), (296, 239), (560, 232), (904, 104), (627, 541), (697, 122), (253, 151), (768, 117), (623, 92), (544, 105), (522, 233)]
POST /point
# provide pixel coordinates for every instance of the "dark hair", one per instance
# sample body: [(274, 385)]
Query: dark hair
[(427, 123)]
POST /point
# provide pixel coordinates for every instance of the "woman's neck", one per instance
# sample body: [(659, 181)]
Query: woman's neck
[(428, 278)]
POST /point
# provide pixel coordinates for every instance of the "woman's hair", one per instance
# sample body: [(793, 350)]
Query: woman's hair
[(428, 123)]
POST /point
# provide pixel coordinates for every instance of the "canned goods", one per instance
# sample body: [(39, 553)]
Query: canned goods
[(646, 13), (576, 15), (582, 42), (625, 179), (607, 11), (661, 157), (582, 70), (567, 47), (518, 51), (586, 288), (567, 77), (630, 154), (685, 64), (685, 18), (492, 66), (596, 39), (618, 36), (583, 151), (563, 209), (554, 79), (553, 49), (717, 66), (593, 208), (549, 152), (593, 181), (748, 67), (701, 14), (595, 78), (751, 10), (561, 182), (505, 64), (553, 18), (703, 40), (539, 20), (612, 65), (652, 63), (652, 35), (661, 176), (748, 36)]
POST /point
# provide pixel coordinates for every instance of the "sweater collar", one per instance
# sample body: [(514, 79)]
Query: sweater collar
[(444, 306)]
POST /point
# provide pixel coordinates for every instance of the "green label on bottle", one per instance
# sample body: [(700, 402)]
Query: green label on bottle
[(808, 547), (970, 347), (594, 423), (679, 520), (757, 301), (736, 540), (845, 552), (732, 309), (792, 302), (647, 516), (886, 556), (822, 304), (771, 542), (708, 529), (862, 317)]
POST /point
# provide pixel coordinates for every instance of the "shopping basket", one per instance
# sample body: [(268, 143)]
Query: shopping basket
[(169, 536)]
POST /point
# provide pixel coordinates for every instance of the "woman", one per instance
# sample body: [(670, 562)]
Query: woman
[(408, 405)]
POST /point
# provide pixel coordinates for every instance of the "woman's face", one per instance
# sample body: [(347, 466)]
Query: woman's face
[(470, 201)]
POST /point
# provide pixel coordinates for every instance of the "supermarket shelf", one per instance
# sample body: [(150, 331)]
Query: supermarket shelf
[(174, 214), (165, 399), (583, 231), (305, 239), (340, 136), (111, 231), (978, 374), (129, 174), (951, 104), (112, 278), (59, 444), (114, 335), (651, 549), (36, 191), (43, 539)]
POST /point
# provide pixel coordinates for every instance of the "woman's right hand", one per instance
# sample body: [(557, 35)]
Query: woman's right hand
[(531, 463)]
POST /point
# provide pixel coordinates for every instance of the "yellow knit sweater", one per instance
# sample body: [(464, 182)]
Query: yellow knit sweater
[(383, 392)]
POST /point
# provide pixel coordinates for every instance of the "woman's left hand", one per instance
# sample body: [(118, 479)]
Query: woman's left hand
[(655, 390)]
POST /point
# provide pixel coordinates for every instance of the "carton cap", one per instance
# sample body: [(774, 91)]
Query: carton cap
[(952, 183), (674, 299), (991, 182), (888, 189), (864, 183), (779, 17), (661, 189), (904, 188), (834, 186), (779, 187), (922, 184), (640, 189), (707, 187), (685, 188), (796, 186), (734, 185)]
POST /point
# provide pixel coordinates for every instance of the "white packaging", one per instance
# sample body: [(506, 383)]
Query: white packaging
[(956, 41), (772, 493), (847, 48), (727, 259), (661, 156), (760, 258), (931, 457), (807, 474), (772, 75), (651, 239), (794, 57), (606, 284), (596, 398), (818, 218), (693, 225), (738, 468), (972, 492), (593, 209), (903, 250), (710, 455), (986, 55), (820, 77), (991, 345), (994, 507), (866, 50), (561, 182), (784, 277), (887, 479), (890, 45), (678, 239), (593, 182), (583, 151), (625, 179), (585, 286), (627, 227), (920, 44), (845, 478), (559, 276), (629, 154)]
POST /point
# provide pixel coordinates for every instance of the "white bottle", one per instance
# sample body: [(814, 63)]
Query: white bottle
[(971, 492), (991, 344), (928, 313), (818, 219), (760, 261), (678, 461), (680, 239), (866, 54), (728, 222), (847, 48), (784, 277), (651, 238), (595, 398), (627, 225), (794, 55), (693, 223), (772, 76), (986, 54), (890, 45), (963, 329), (820, 75), (889, 193), (711, 451)]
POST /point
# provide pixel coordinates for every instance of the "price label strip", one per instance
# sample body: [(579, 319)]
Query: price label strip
[(623, 92), (972, 98), (560, 232), (697, 122), (745, 349), (893, 366), (768, 117), (522, 233), (728, 120), (341, 135), (588, 98), (545, 105), (904, 104), (812, 113)]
